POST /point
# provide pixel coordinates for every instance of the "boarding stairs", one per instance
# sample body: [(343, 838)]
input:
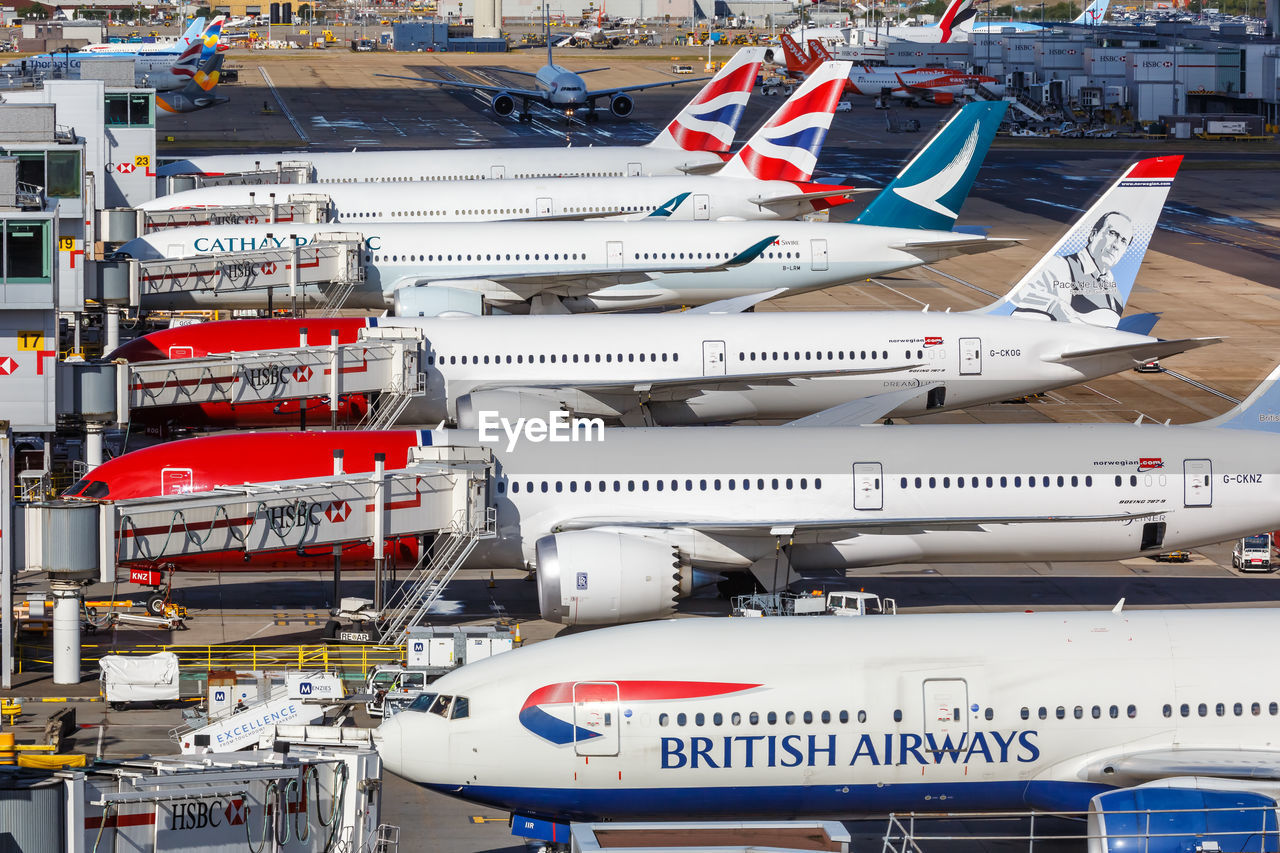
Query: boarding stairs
[(435, 569), (402, 386), (1019, 101)]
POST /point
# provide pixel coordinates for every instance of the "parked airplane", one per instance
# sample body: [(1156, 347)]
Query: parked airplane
[(928, 85), (160, 70), (555, 87), (698, 139), (193, 32), (620, 523), (197, 94), (1150, 722), (725, 366), (769, 178), (956, 20), (583, 266), (1094, 14)]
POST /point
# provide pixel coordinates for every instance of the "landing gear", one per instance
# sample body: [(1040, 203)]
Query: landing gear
[(155, 604), (592, 117), (525, 118)]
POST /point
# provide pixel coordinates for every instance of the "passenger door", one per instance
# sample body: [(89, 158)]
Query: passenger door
[(819, 249), (1197, 482), (498, 172), (713, 361), (633, 169), (701, 207), (970, 356), (613, 254), (595, 718), (868, 486), (946, 703), (544, 207)]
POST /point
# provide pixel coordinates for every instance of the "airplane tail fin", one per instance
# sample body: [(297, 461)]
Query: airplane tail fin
[(1093, 14), (1088, 274), (930, 190), (797, 60), (959, 16), (1259, 411), (210, 38), (787, 147), (193, 32), (188, 62), (710, 120), (198, 94), (818, 50)]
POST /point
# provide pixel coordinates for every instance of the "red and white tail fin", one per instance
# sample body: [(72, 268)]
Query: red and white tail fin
[(959, 17), (799, 64), (711, 119), (787, 147), (819, 51)]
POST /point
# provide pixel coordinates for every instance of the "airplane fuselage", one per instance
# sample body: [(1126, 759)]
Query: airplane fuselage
[(153, 69)]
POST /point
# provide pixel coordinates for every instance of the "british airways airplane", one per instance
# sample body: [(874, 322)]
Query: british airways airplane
[(575, 267), (730, 366), (619, 524), (1157, 724), (769, 178), (697, 140)]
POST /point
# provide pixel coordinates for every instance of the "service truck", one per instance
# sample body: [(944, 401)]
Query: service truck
[(1252, 554)]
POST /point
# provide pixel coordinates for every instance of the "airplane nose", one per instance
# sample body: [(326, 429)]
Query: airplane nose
[(388, 739)]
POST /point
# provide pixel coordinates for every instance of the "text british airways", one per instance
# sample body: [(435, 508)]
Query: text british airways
[(901, 748)]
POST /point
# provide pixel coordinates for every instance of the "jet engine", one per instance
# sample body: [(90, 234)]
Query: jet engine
[(503, 104), (511, 405), (598, 577), (621, 105), (944, 99)]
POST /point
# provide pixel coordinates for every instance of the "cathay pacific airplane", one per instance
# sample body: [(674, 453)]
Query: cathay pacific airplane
[(726, 366), (619, 524), (163, 71), (1159, 725), (769, 178), (607, 265), (697, 140)]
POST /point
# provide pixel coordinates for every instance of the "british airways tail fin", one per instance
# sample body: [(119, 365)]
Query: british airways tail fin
[(1093, 14), (1088, 274), (929, 191), (787, 147), (1259, 411), (711, 119), (188, 62), (959, 17)]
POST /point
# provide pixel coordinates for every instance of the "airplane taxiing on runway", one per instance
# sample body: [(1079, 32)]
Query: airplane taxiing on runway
[(1151, 724), (577, 267), (697, 140), (725, 366)]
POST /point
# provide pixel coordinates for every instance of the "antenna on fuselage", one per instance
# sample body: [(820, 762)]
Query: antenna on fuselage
[(1119, 607)]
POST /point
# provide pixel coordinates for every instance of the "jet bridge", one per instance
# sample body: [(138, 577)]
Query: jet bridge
[(279, 172), (326, 271)]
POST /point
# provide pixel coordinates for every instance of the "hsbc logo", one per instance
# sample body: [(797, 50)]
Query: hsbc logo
[(337, 511), (302, 373), (208, 814)]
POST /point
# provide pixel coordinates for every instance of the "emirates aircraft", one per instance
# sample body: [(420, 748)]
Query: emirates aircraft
[(697, 140), (718, 365), (769, 178), (618, 524), (1158, 724), (591, 266)]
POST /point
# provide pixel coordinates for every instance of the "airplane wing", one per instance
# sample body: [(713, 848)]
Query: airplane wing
[(687, 387), (866, 410), (962, 244), (1143, 352), (609, 93), (737, 304), (701, 168), (533, 94)]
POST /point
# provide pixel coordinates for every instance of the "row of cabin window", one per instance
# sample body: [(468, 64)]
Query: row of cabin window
[(832, 355), (699, 256), (507, 211), (388, 179), (544, 359), (537, 256), (775, 484), (753, 718), (976, 482), (1184, 710)]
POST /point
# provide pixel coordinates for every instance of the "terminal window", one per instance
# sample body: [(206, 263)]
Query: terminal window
[(27, 251), (125, 109), (58, 172)]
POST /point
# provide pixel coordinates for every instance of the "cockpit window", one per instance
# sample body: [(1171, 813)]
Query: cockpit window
[(441, 706), (88, 489), (423, 703), (461, 708)]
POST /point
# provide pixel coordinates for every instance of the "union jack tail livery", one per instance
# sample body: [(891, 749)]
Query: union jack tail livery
[(787, 147), (710, 120), (189, 61), (799, 63)]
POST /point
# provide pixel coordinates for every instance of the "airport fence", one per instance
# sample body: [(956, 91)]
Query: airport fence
[(347, 660)]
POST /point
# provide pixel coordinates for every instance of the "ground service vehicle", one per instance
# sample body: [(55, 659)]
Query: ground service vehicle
[(1252, 554)]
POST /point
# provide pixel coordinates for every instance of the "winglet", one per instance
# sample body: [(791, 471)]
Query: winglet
[(1119, 607), (668, 207), (930, 190), (710, 120), (1089, 273), (787, 147), (749, 255), (1259, 411)]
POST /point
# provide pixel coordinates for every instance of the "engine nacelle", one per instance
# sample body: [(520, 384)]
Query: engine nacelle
[(621, 105), (436, 301), (944, 99), (509, 405), (503, 104), (615, 42), (597, 577)]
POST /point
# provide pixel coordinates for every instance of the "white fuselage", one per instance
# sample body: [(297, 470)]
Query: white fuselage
[(480, 164), (835, 716), (707, 197), (1048, 492), (561, 363), (807, 256)]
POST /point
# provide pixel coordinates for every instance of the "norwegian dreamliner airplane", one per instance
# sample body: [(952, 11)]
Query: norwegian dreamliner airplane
[(769, 178), (698, 139), (607, 265), (619, 524), (728, 366), (1155, 723)]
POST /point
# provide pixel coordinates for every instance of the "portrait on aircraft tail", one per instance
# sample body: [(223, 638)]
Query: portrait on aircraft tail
[(1080, 286)]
